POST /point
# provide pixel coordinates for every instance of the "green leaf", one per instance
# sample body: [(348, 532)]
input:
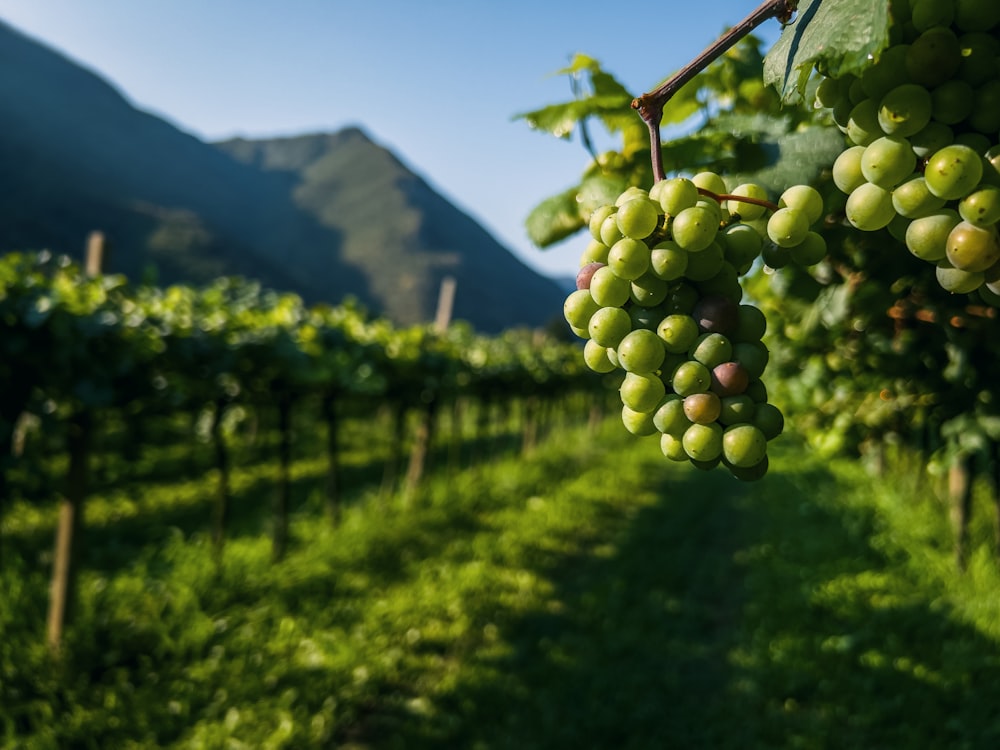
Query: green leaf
[(798, 159), (561, 119), (839, 37), (554, 219)]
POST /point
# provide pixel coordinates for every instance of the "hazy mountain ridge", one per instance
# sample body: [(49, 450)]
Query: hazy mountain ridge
[(325, 215)]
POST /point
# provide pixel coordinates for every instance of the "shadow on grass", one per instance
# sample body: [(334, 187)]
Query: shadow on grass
[(725, 616)]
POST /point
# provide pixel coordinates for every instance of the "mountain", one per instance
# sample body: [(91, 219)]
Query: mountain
[(324, 215)]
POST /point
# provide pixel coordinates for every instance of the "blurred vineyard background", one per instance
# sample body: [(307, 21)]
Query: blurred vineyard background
[(233, 517)]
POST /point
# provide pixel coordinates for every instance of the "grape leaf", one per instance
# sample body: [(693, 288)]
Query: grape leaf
[(839, 37), (554, 219), (799, 158), (560, 119)]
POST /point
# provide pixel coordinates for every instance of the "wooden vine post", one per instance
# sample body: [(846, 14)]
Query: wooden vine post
[(70, 523), (428, 417)]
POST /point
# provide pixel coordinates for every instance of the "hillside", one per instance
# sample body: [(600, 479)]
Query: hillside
[(324, 215)]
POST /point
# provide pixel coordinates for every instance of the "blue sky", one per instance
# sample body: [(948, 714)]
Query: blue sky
[(438, 83)]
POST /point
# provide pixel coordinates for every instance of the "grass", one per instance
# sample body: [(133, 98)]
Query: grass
[(590, 595)]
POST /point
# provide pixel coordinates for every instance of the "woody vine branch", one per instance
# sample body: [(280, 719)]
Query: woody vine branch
[(650, 105)]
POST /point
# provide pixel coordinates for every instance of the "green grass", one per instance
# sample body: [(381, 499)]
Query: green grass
[(592, 595)]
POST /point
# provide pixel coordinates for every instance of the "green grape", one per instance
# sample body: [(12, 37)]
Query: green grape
[(869, 207), (595, 252), (971, 248), (741, 244), (669, 416), (714, 209), (991, 166), (787, 227), (703, 442), (749, 211), (933, 57), (847, 173), (753, 355), (976, 141), (596, 357), (646, 317), (705, 264), (736, 409), (981, 207), (863, 124), (672, 447), (828, 93), (750, 326), (702, 408), (694, 229), (928, 13), (670, 364), (810, 251), (887, 161), (905, 110), (841, 113), (597, 219), (678, 333), (804, 198), (608, 288), (768, 419), (725, 283), (639, 423), (887, 73), (640, 351), (674, 194), (751, 473), (648, 290), (609, 325), (912, 199), (935, 136), (706, 465), (610, 233), (691, 377), (744, 445), (629, 258), (641, 391), (668, 261), (955, 280), (976, 15), (630, 193), (775, 256), (579, 306), (927, 236), (985, 115), (682, 298), (637, 218), (711, 349), (951, 102), (979, 53), (953, 172), (897, 227), (711, 182), (757, 391)]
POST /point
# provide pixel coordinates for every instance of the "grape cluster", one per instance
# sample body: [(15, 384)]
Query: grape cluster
[(923, 125), (659, 297)]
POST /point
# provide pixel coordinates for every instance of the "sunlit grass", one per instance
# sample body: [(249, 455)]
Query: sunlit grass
[(590, 595)]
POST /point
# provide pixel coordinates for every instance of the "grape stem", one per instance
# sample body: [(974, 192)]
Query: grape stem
[(650, 105), (719, 197)]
